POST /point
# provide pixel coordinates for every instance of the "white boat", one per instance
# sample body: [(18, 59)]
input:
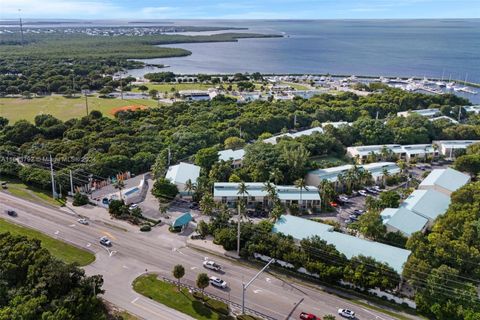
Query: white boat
[(441, 84), (450, 85)]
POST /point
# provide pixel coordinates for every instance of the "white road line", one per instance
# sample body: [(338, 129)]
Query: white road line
[(72, 225), (57, 232), (89, 245), (135, 300)]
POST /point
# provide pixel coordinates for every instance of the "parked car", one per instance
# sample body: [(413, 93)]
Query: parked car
[(83, 221), (212, 265), (196, 236), (353, 217), (217, 282), (377, 188), (371, 190), (11, 213), (104, 241), (348, 221), (358, 212), (308, 316), (133, 206), (343, 199), (346, 313), (362, 193)]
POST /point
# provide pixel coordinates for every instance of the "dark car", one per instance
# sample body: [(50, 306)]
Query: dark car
[(11, 213)]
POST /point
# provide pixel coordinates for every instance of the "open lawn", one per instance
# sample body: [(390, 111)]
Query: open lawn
[(62, 108), (21, 190), (168, 294), (59, 249)]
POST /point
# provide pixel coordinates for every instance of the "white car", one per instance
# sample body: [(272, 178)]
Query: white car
[(212, 265), (83, 221), (217, 282), (105, 241), (362, 193), (133, 206), (346, 313)]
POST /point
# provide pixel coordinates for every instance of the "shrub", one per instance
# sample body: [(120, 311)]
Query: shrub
[(247, 317), (197, 295), (79, 199), (145, 228), (217, 306)]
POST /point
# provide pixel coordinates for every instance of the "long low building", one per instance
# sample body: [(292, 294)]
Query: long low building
[(405, 152), (227, 193), (348, 245), (428, 113), (376, 169), (448, 148), (294, 135)]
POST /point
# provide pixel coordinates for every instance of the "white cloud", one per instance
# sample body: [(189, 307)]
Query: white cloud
[(57, 8)]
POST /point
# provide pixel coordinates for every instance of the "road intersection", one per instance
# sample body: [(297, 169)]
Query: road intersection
[(133, 253)]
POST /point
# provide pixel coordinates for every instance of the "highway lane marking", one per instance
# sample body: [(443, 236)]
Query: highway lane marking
[(56, 232), (135, 300), (193, 268), (89, 245), (125, 267), (373, 314), (72, 225), (257, 291), (109, 234), (268, 279)]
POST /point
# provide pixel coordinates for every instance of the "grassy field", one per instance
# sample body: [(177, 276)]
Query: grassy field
[(57, 248), (63, 108), (21, 190), (167, 294)]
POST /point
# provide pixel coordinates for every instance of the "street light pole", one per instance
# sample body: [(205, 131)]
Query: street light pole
[(245, 286)]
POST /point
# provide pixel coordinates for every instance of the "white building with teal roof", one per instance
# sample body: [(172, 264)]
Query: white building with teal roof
[(445, 181), (350, 246)]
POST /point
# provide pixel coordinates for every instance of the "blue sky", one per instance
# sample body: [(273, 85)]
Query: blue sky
[(240, 9)]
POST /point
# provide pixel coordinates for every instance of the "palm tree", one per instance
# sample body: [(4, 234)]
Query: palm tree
[(189, 186), (243, 190), (384, 152), (119, 185), (276, 175), (327, 191), (271, 192), (301, 184), (276, 212), (385, 175)]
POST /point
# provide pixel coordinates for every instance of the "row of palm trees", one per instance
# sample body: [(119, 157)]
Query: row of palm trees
[(355, 178)]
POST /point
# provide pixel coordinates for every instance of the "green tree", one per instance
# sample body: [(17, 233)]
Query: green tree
[(164, 189), (371, 225), (301, 184), (202, 281), (207, 204), (206, 157), (234, 143), (178, 273)]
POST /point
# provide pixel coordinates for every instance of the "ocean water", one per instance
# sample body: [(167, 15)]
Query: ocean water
[(431, 48)]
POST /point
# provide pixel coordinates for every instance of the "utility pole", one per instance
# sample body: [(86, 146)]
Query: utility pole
[(52, 177), (121, 87), (21, 27), (238, 230), (86, 101), (169, 156), (71, 184), (245, 286)]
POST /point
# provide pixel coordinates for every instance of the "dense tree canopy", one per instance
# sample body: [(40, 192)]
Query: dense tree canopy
[(34, 285)]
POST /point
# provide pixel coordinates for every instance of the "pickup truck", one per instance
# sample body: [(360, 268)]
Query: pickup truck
[(308, 316), (212, 266)]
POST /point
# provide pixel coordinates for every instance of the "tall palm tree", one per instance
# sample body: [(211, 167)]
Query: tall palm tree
[(271, 191), (242, 190), (385, 175), (327, 191), (119, 185), (301, 184), (189, 186)]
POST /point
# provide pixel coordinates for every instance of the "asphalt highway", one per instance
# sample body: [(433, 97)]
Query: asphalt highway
[(134, 253)]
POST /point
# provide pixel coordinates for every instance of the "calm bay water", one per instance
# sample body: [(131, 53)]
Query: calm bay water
[(430, 48)]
